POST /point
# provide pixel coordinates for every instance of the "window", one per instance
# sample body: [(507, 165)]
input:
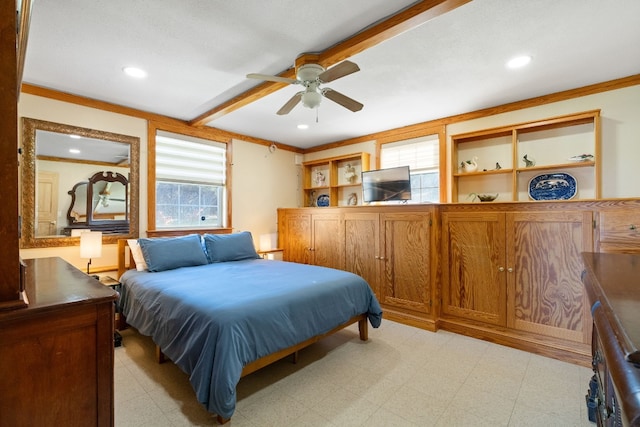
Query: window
[(422, 155), (190, 182)]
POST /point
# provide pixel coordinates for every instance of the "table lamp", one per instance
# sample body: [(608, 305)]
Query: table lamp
[(90, 245)]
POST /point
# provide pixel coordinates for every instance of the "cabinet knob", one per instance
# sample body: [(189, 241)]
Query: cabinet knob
[(632, 227), (500, 269), (510, 270), (377, 257), (382, 258)]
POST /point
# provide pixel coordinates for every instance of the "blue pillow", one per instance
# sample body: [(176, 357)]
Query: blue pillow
[(172, 252), (230, 247)]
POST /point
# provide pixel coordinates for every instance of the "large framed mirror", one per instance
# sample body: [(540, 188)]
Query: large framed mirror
[(76, 179)]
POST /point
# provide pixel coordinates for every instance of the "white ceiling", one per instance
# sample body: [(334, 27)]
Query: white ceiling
[(197, 55)]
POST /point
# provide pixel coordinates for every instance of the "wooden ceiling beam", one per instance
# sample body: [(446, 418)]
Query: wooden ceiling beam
[(403, 21)]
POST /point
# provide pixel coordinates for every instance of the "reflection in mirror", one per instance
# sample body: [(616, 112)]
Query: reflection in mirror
[(57, 163), (77, 213)]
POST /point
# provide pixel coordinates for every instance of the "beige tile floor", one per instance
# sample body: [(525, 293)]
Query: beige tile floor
[(402, 376)]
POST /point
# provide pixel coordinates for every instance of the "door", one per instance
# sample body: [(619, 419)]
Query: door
[(473, 266), (297, 237), (405, 257), (362, 231), (47, 204), (545, 292), (327, 240)]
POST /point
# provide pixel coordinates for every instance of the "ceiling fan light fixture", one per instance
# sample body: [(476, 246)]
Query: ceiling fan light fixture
[(311, 99)]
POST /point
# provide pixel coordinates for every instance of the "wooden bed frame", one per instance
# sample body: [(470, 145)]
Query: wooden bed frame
[(126, 262)]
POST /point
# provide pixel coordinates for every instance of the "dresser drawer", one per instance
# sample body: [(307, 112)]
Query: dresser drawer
[(619, 231)]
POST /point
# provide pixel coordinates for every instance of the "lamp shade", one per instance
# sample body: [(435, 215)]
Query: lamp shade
[(268, 241), (311, 99), (91, 244)]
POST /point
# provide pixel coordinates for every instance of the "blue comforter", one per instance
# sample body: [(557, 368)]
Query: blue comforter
[(213, 319)]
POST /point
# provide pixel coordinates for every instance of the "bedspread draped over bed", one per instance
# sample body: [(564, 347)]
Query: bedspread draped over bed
[(213, 319)]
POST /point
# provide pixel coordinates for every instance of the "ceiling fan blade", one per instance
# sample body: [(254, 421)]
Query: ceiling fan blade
[(286, 108), (345, 101), (342, 69), (271, 78)]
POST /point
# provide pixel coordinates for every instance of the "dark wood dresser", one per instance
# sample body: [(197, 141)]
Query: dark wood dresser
[(56, 355), (612, 282)]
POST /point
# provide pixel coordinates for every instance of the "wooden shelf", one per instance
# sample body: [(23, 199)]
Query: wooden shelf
[(333, 173), (549, 142)]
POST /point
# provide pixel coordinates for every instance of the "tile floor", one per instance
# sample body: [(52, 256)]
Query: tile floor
[(402, 376)]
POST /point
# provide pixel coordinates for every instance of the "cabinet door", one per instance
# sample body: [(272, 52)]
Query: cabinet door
[(297, 237), (473, 266), (545, 292), (362, 250), (327, 245), (405, 239)]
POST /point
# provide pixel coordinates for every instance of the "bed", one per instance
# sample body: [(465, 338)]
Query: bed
[(229, 313)]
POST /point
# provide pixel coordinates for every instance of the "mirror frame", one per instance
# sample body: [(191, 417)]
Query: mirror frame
[(28, 185)]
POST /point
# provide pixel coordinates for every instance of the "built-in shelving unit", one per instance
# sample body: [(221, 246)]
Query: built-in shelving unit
[(335, 181), (548, 144)]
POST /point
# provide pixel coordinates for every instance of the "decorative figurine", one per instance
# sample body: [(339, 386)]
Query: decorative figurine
[(469, 165), (498, 167), (320, 179), (528, 162), (350, 173)]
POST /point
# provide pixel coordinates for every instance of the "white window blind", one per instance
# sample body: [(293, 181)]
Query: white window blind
[(420, 154), (180, 158)]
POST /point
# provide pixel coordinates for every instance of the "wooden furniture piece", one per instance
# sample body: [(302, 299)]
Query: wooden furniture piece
[(548, 143), (391, 247), (611, 282), (56, 356), (336, 177), (511, 272), (254, 365), (504, 272)]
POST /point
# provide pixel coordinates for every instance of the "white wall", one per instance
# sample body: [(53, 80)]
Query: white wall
[(620, 126), (261, 181)]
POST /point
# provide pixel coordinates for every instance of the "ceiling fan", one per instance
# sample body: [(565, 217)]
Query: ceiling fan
[(311, 76)]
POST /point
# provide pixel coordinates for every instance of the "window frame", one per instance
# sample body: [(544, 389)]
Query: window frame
[(152, 230), (419, 133)]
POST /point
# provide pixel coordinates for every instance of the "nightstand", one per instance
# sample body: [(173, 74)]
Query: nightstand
[(271, 253), (115, 285)]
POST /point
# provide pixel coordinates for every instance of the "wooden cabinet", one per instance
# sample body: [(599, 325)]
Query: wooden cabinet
[(619, 231), (548, 146), (474, 266), (405, 259), (390, 247), (313, 238), (611, 282), (392, 251), (518, 271), (334, 181), (56, 355)]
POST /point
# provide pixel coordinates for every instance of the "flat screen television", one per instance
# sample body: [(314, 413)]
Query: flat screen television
[(383, 185)]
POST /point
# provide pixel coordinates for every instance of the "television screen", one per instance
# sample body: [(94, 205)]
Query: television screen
[(386, 184)]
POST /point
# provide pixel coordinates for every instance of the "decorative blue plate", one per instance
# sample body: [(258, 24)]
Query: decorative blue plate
[(552, 186), (322, 201)]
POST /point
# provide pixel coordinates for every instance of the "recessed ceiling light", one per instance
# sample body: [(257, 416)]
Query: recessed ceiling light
[(75, 136), (519, 61), (303, 126), (135, 72), (74, 150)]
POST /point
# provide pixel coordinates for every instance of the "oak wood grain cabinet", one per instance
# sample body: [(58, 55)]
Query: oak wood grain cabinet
[(311, 236), (392, 251), (56, 355), (515, 276)]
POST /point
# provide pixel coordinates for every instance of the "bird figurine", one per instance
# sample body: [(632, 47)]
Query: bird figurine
[(528, 162)]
